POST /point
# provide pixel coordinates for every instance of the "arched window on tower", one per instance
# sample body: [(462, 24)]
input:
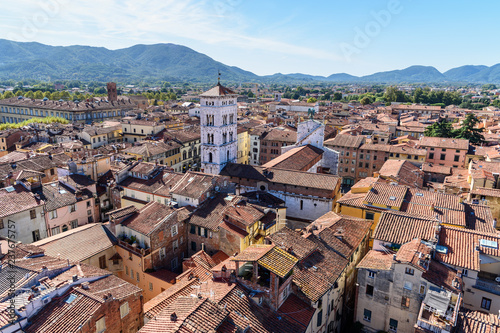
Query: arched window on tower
[(208, 138), (230, 136), (228, 155), (210, 158), (231, 119), (212, 141)]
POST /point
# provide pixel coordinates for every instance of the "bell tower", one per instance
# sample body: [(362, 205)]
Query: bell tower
[(219, 136)]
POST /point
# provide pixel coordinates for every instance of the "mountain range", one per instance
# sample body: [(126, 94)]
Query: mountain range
[(171, 62)]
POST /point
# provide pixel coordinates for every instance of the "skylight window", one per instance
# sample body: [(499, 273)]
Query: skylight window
[(441, 249), (488, 243), (10, 189), (419, 194), (71, 298), (392, 198)]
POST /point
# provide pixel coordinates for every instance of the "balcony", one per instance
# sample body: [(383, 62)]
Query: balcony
[(439, 321), (487, 283), (135, 249)]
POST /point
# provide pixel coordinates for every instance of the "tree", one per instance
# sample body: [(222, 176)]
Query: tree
[(469, 131), (337, 96), (38, 94), (311, 100), (390, 94), (8, 94), (441, 129), (250, 94), (365, 100)]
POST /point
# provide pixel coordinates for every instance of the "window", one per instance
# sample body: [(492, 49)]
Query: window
[(301, 204), (175, 244), (486, 303), (369, 290), (36, 235), (193, 246), (442, 157), (370, 216), (367, 315), (319, 319), (150, 286), (408, 285), (124, 309), (405, 302), (100, 325), (137, 276), (51, 172), (422, 289), (192, 230), (126, 270), (88, 204), (162, 253), (174, 230), (371, 274), (431, 156), (53, 214), (32, 214), (89, 212), (456, 158), (393, 325), (1, 224), (174, 264), (465, 272), (72, 208), (55, 231), (409, 271), (102, 262)]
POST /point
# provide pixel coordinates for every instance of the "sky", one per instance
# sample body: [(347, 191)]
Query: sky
[(358, 37)]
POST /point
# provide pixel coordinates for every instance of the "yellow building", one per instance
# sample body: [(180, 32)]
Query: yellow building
[(94, 166), (243, 146)]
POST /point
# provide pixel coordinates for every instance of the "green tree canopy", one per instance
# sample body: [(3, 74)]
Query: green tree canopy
[(365, 100), (38, 94), (311, 100), (469, 131), (441, 129)]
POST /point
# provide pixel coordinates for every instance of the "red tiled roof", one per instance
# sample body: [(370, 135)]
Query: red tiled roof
[(462, 244), (17, 199), (377, 260), (470, 321), (149, 217)]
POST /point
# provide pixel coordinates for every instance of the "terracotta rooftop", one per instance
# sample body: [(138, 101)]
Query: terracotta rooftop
[(450, 143), (281, 176), (78, 244), (377, 260), (218, 90), (149, 217), (15, 199), (296, 159)]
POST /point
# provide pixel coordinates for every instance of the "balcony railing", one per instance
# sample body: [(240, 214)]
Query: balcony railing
[(137, 250), (487, 285)]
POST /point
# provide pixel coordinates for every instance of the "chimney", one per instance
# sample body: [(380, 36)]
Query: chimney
[(75, 278), (85, 286), (203, 246), (173, 316)]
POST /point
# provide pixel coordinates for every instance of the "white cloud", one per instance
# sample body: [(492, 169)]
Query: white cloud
[(117, 24)]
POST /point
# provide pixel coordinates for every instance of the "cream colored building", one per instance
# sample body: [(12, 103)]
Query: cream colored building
[(243, 154)]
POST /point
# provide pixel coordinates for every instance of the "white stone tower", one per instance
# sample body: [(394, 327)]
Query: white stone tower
[(219, 136)]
